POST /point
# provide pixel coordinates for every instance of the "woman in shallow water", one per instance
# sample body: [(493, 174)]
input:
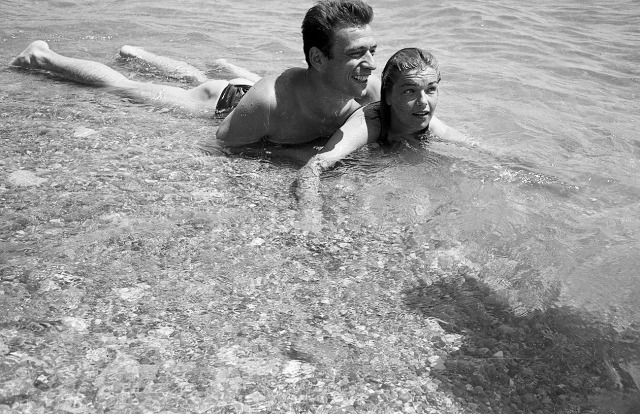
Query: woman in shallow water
[(405, 114)]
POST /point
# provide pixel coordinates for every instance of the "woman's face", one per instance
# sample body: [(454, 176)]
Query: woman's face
[(413, 100)]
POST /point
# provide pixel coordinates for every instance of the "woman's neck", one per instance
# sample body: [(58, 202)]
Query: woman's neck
[(402, 135)]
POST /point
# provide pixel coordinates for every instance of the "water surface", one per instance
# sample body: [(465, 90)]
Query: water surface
[(544, 207)]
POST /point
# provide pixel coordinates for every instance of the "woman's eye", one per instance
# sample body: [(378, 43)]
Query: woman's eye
[(408, 91)]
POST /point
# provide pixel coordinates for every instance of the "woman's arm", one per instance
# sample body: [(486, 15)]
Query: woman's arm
[(445, 132)]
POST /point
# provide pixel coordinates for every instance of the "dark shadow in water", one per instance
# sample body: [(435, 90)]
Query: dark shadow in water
[(293, 156), (559, 360)]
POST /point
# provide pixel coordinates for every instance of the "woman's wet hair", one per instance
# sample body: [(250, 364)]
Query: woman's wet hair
[(328, 16), (403, 60)]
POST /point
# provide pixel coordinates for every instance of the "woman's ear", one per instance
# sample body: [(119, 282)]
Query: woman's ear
[(387, 95), (317, 59)]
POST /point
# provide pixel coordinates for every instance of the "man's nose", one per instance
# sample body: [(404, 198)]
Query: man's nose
[(369, 61)]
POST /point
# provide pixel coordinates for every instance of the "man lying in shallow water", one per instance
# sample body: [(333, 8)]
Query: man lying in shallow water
[(295, 107)]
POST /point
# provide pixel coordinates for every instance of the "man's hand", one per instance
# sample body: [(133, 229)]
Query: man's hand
[(309, 195)]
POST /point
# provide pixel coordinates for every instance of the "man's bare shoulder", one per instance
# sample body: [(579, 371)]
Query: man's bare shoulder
[(273, 89), (264, 112), (249, 122), (293, 75), (262, 91)]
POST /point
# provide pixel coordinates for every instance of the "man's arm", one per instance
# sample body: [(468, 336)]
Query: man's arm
[(347, 139), (355, 133)]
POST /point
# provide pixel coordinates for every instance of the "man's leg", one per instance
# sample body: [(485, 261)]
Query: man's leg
[(38, 55), (237, 71), (183, 70), (174, 68)]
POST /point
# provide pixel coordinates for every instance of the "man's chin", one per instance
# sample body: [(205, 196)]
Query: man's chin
[(360, 90)]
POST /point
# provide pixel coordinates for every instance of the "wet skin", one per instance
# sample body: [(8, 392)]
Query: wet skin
[(301, 105), (413, 100)]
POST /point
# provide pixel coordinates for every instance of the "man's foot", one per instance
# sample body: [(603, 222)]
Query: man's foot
[(29, 58), (127, 51)]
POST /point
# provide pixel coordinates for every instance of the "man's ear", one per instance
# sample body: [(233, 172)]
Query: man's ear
[(317, 58)]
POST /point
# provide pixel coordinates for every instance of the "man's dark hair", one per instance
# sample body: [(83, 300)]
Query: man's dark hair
[(326, 17)]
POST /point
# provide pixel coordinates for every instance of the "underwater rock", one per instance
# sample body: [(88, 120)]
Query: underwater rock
[(25, 178), (132, 294), (19, 385), (505, 330), (77, 324), (257, 242), (83, 132), (254, 398), (437, 362)]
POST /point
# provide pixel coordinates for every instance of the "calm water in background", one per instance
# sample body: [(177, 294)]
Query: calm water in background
[(549, 91)]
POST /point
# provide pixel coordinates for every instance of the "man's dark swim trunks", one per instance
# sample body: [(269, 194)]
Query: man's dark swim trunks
[(230, 97)]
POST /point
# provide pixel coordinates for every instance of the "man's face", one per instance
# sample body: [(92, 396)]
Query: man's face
[(352, 61)]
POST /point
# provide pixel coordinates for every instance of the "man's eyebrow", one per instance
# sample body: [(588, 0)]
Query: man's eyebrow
[(362, 48)]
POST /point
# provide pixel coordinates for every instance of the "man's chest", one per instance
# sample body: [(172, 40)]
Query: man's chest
[(297, 128)]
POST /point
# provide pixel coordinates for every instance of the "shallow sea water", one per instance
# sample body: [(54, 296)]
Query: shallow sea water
[(544, 206)]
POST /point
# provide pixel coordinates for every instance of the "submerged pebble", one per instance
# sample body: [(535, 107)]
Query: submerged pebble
[(25, 178)]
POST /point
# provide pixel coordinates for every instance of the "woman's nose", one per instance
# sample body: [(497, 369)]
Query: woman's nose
[(423, 99)]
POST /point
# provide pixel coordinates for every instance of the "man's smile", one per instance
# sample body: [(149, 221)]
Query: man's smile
[(360, 78)]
